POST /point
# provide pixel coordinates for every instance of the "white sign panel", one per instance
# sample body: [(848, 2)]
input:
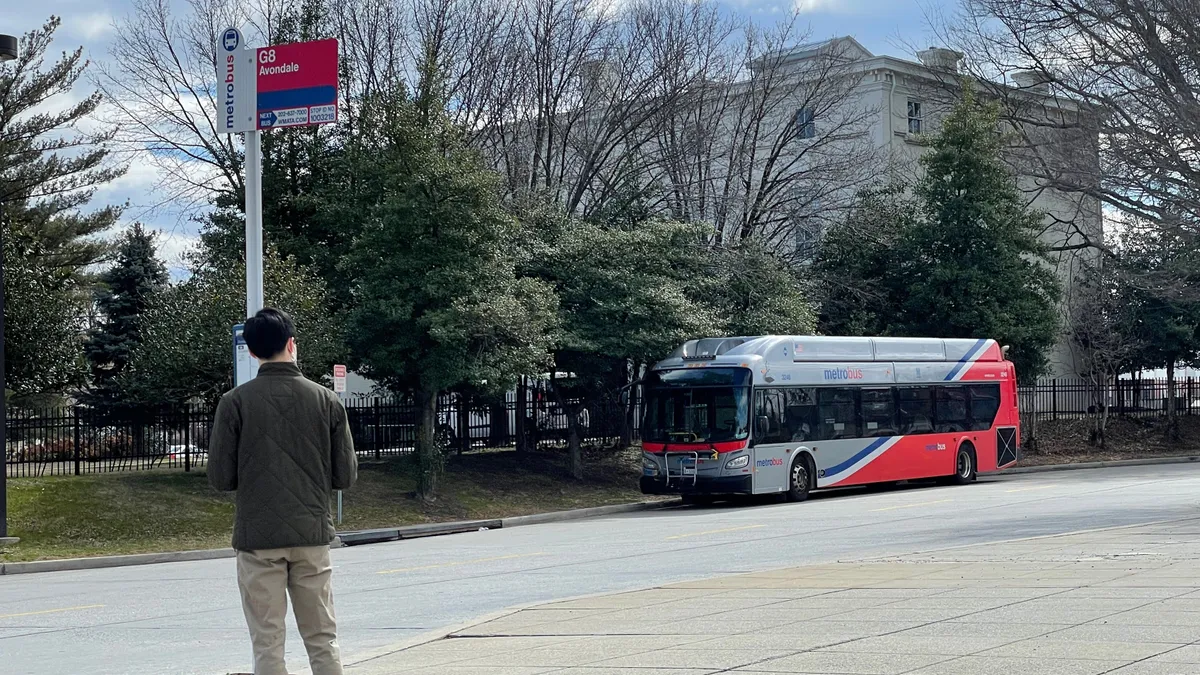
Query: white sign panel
[(245, 366), (339, 379), (237, 84)]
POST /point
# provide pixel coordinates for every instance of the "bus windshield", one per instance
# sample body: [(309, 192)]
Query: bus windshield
[(701, 405)]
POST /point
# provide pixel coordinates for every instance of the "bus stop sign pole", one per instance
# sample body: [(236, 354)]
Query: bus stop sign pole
[(289, 85)]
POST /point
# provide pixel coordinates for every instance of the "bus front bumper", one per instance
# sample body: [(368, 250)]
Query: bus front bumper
[(721, 485)]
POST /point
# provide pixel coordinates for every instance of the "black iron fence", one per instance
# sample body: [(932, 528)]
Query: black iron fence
[(1082, 398), (79, 440)]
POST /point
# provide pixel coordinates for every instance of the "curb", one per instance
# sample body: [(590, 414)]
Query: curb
[(1113, 464), (343, 539), (437, 529), (593, 512), (100, 562)]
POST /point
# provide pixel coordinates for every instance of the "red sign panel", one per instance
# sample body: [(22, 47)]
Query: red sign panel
[(297, 84), (339, 371)]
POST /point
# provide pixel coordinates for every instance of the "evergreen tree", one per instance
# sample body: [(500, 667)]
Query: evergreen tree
[(438, 303), (960, 259), (50, 168), (184, 352), (127, 289)]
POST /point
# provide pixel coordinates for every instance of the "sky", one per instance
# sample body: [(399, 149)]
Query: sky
[(890, 27)]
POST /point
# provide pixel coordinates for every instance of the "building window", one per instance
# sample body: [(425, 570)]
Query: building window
[(806, 124), (916, 121)]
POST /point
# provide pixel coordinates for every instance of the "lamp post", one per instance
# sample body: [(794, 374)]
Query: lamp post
[(8, 52)]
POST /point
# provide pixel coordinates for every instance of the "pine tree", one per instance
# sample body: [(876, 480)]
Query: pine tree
[(960, 258), (127, 290), (50, 167)]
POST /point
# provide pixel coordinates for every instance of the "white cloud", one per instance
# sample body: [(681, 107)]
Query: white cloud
[(172, 246), (807, 6), (92, 26)]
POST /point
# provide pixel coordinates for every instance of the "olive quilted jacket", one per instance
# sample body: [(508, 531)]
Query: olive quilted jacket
[(283, 443)]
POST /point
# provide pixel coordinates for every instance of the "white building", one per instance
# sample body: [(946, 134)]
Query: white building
[(780, 147)]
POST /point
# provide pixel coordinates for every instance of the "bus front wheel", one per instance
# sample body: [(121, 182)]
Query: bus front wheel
[(965, 465), (799, 479)]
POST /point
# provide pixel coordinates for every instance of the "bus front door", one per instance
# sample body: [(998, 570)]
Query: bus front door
[(771, 467)]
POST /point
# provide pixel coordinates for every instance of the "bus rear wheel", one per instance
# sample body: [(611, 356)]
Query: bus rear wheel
[(799, 480), (965, 465)]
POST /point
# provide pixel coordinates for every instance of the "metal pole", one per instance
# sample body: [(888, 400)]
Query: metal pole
[(254, 240), (3, 396), (341, 398), (9, 50)]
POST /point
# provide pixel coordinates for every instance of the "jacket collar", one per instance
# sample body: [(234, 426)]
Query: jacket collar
[(279, 368)]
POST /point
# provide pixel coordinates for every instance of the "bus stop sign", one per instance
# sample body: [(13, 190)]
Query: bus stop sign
[(297, 84)]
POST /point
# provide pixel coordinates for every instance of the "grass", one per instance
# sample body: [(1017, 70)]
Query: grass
[(120, 513), (112, 514)]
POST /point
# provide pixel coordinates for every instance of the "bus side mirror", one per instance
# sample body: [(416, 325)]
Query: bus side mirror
[(762, 426)]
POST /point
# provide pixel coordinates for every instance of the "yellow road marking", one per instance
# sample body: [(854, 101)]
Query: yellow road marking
[(910, 506), (1038, 487), (728, 529), (50, 611), (459, 563)]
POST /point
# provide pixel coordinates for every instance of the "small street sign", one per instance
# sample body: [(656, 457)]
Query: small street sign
[(339, 379), (297, 84)]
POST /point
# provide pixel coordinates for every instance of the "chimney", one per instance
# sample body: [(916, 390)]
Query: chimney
[(938, 58), (1032, 80), (598, 77)]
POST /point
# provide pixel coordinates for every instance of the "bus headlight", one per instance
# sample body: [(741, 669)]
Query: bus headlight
[(649, 467), (738, 462)]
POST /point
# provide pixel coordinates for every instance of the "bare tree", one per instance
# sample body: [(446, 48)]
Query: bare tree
[(161, 89), (1121, 71), (776, 142), (1103, 334)]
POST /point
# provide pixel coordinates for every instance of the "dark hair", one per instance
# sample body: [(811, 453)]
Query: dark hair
[(267, 333)]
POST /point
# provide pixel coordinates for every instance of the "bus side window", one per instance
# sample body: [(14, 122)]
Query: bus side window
[(985, 403), (950, 410), (838, 412), (801, 415), (769, 404), (877, 413), (915, 413)]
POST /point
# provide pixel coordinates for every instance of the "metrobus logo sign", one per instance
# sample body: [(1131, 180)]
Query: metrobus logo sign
[(279, 86), (843, 374)]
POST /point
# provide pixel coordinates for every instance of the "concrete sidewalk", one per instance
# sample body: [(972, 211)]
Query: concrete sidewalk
[(1123, 601)]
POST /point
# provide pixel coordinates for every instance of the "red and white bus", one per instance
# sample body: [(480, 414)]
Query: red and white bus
[(786, 415)]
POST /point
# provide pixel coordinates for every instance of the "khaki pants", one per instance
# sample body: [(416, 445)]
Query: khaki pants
[(266, 578)]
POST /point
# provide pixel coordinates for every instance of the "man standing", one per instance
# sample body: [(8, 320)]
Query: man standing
[(283, 443)]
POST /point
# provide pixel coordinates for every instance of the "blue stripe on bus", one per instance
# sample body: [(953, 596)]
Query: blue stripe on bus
[(833, 471), (965, 360)]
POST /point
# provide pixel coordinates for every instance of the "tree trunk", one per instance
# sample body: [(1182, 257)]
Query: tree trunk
[(522, 413), (498, 424), (1104, 420), (429, 455), (574, 443), (629, 406)]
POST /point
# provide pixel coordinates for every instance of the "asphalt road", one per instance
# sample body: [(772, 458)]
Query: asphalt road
[(186, 617)]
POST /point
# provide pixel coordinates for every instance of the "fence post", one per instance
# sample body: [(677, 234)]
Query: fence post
[(522, 410), (1054, 399), (187, 437), (376, 435), (76, 412)]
